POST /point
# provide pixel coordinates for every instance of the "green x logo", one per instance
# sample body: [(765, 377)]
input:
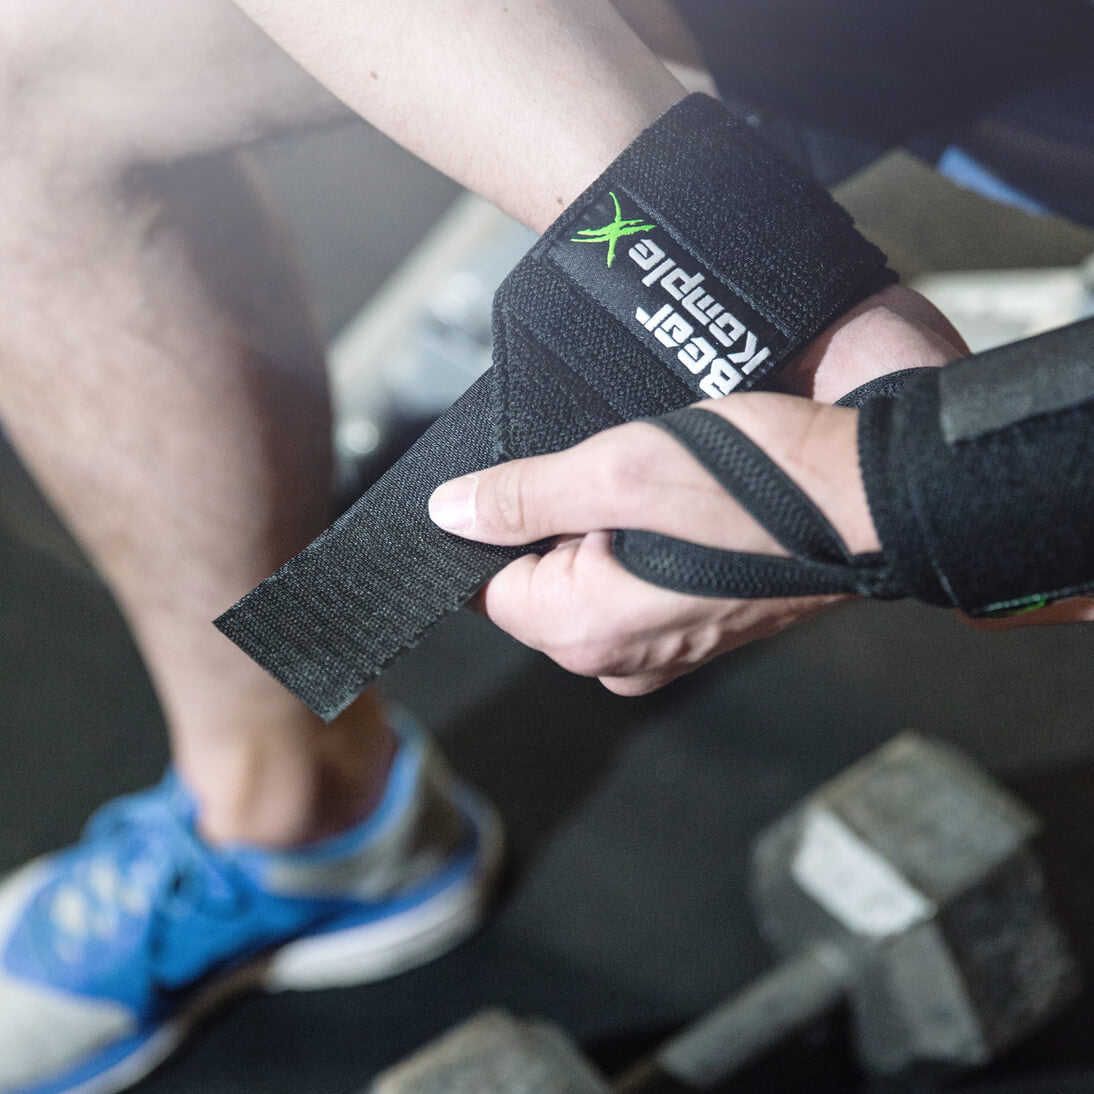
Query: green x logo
[(613, 232)]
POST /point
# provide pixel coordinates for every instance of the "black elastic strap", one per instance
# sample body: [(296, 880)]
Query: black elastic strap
[(821, 562), (746, 472)]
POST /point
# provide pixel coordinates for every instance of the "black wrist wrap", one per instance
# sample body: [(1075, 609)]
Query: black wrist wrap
[(980, 476), (694, 266)]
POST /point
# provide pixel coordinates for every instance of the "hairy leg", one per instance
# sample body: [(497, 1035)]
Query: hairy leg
[(161, 376)]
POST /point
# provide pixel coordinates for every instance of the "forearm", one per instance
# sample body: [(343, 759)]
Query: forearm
[(524, 102)]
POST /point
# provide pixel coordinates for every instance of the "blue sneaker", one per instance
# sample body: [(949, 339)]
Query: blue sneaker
[(111, 950)]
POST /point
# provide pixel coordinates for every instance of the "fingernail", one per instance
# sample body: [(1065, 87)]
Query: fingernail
[(452, 504)]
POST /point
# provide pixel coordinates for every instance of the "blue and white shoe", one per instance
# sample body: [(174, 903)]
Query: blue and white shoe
[(112, 950)]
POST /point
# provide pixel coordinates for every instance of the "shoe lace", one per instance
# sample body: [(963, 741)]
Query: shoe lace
[(140, 860)]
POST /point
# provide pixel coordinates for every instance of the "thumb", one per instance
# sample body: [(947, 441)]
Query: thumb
[(518, 502)]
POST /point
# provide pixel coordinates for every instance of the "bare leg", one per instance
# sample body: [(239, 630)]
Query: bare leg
[(161, 376), (662, 28)]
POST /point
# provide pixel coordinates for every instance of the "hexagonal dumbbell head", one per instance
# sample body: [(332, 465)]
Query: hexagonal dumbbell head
[(913, 869), (494, 1053)]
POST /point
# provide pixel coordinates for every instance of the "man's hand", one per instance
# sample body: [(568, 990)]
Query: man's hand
[(894, 329), (579, 606)]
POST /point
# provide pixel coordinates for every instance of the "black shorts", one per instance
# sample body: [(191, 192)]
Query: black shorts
[(835, 82)]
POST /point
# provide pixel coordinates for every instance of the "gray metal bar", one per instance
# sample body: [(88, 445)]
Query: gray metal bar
[(754, 1020)]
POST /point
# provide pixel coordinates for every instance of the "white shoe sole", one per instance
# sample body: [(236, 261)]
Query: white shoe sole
[(359, 955)]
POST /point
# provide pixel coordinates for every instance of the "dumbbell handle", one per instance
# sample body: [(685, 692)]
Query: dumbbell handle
[(744, 1026)]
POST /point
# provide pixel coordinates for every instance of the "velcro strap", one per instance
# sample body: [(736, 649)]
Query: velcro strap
[(980, 476), (694, 266)]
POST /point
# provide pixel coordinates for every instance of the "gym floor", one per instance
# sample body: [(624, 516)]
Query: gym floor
[(630, 820)]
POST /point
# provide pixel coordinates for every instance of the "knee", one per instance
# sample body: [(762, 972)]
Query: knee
[(113, 86), (61, 96)]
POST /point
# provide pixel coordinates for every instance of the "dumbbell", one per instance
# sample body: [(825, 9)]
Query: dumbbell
[(906, 886)]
